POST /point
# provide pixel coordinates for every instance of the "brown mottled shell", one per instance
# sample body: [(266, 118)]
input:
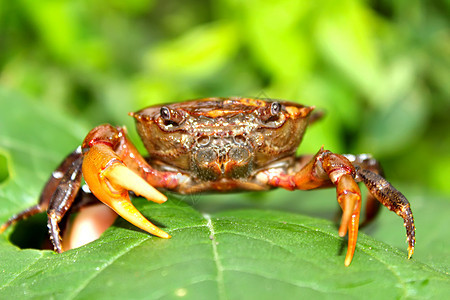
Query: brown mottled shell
[(217, 138)]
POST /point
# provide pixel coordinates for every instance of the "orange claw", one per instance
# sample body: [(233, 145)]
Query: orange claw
[(349, 198), (110, 180)]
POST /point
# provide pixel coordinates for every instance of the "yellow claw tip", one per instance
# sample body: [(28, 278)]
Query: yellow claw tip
[(166, 236), (348, 261), (162, 198), (122, 176), (342, 231), (159, 233)]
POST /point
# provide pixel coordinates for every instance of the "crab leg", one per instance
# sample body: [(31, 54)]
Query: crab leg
[(395, 201), (31, 211), (109, 179), (323, 170), (48, 191), (367, 162), (381, 191), (341, 173), (327, 168), (62, 200)]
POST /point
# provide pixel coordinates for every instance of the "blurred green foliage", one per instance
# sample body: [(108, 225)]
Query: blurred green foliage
[(379, 69)]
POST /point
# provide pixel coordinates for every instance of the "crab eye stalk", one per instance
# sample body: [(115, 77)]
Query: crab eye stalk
[(275, 108), (171, 117), (165, 113), (271, 115)]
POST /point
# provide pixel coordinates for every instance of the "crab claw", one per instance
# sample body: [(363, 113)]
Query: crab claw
[(349, 198), (110, 180), (120, 175)]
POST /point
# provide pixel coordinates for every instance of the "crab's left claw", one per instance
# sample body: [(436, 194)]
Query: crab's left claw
[(109, 179)]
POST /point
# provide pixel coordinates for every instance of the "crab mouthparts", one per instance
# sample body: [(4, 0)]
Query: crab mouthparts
[(224, 162)]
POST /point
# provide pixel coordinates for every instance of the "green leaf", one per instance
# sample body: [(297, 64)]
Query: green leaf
[(228, 255), (198, 53), (64, 30), (345, 36), (219, 249), (280, 47), (34, 140)]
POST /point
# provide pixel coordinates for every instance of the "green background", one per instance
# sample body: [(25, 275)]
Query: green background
[(378, 69)]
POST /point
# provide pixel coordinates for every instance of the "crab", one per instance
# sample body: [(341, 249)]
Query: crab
[(214, 145)]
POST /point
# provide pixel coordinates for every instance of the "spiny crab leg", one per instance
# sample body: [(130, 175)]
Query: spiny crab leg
[(395, 201), (110, 180)]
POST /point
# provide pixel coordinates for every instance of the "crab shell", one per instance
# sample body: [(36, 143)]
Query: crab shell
[(222, 138)]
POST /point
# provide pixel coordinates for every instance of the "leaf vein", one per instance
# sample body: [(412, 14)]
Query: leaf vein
[(218, 262), (102, 268), (23, 271)]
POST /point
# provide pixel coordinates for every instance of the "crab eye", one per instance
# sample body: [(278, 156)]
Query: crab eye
[(171, 117), (275, 108), (271, 115), (165, 113)]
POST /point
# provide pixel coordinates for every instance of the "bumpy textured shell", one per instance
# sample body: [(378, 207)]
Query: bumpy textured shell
[(222, 137)]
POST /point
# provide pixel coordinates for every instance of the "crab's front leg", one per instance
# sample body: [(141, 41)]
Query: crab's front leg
[(328, 167), (324, 170), (366, 162), (106, 149)]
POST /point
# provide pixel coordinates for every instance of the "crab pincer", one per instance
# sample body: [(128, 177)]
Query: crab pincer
[(327, 168), (109, 179)]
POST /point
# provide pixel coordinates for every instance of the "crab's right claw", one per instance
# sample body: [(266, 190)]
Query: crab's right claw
[(349, 198), (110, 180)]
